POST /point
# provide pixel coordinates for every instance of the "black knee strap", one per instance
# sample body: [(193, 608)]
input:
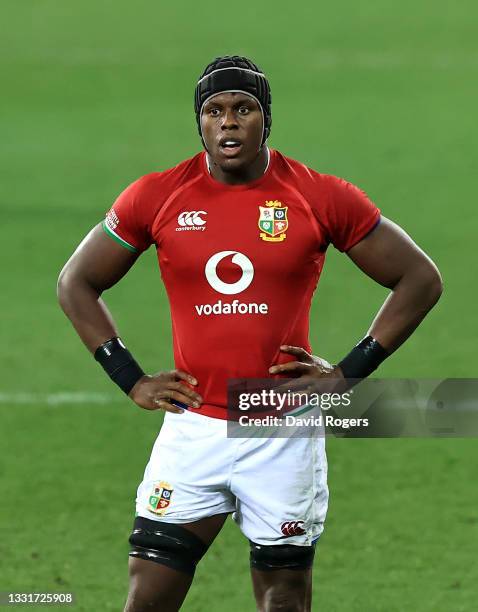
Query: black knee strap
[(166, 543), (286, 556)]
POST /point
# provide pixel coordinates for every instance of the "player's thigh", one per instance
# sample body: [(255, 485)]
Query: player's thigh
[(281, 490), (284, 590), (282, 496), (163, 559), (181, 486)]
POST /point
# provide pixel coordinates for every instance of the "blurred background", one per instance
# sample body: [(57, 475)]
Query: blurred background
[(96, 94)]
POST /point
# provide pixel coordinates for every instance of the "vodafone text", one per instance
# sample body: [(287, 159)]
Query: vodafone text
[(235, 307)]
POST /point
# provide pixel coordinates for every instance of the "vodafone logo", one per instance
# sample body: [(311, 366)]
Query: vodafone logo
[(224, 307), (191, 221), (229, 288), (292, 528)]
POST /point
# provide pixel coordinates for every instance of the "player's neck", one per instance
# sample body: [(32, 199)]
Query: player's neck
[(251, 173)]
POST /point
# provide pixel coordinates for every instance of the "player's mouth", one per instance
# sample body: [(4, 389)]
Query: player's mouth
[(230, 147)]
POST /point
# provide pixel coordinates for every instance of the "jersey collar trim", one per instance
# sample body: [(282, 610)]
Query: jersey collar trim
[(243, 186)]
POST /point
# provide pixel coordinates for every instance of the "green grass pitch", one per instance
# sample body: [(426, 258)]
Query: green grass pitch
[(95, 94)]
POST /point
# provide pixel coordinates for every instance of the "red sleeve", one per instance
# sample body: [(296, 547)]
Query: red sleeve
[(349, 215), (129, 219)]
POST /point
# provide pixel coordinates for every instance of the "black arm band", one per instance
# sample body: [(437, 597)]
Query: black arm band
[(363, 359), (119, 364)]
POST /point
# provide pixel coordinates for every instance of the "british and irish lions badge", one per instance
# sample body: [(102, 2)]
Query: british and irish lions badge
[(160, 497), (273, 221)]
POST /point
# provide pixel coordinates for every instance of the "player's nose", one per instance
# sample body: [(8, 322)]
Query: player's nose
[(229, 120)]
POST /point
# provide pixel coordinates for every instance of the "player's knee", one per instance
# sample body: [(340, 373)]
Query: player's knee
[(141, 597), (283, 557), (167, 544), (155, 587), (142, 594), (283, 598)]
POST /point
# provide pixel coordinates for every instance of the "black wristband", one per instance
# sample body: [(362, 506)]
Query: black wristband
[(119, 364), (363, 359)]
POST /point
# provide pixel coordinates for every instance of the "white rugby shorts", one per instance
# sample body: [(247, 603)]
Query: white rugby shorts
[(276, 488)]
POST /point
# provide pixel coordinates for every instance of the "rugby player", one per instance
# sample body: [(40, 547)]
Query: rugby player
[(241, 233)]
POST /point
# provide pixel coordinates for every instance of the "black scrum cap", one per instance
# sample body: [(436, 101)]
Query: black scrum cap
[(234, 73)]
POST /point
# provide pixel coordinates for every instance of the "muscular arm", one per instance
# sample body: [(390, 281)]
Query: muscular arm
[(97, 264), (390, 257)]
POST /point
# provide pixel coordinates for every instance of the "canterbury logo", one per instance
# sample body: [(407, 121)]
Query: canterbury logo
[(292, 528), (192, 218), (229, 288)]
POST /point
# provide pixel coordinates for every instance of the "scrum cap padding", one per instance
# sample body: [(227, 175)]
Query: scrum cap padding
[(234, 73)]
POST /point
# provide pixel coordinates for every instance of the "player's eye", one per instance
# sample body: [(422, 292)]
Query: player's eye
[(243, 110), (214, 112)]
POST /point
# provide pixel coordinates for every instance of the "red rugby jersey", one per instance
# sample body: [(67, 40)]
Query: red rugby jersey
[(240, 263)]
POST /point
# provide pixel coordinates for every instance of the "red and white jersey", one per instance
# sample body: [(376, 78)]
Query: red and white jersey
[(240, 263)]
